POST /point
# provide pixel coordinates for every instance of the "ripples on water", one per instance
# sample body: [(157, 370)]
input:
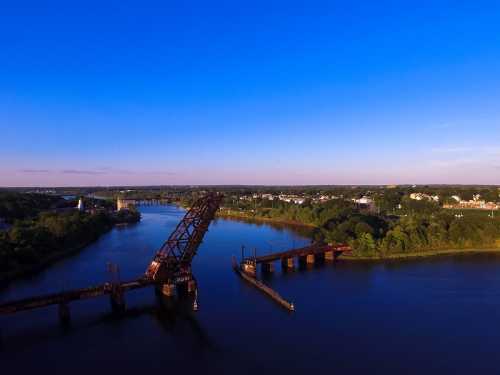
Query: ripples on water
[(433, 315)]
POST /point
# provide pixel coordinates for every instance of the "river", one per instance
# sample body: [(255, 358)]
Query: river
[(433, 315)]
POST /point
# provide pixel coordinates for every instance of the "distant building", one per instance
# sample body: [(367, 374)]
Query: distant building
[(81, 206), (363, 200), (473, 204), (124, 204), (291, 198), (365, 203), (422, 196)]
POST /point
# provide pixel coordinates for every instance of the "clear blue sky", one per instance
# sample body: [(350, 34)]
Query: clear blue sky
[(251, 92)]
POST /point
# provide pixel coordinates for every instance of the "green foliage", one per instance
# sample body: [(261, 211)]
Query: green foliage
[(418, 226), (31, 241), (15, 206)]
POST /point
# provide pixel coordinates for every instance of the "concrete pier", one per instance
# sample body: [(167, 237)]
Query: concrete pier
[(64, 313), (268, 267), (287, 264), (310, 259), (329, 255), (306, 259), (168, 290), (191, 286), (117, 299)]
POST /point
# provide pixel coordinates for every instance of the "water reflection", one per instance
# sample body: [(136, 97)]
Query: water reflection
[(426, 316)]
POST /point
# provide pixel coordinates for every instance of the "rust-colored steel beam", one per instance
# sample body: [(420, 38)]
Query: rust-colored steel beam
[(307, 250), (172, 263), (68, 296)]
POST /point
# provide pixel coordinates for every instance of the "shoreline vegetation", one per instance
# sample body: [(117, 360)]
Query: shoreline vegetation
[(243, 216), (44, 236), (423, 230)]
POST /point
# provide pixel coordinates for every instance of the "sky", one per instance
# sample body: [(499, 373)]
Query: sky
[(249, 92)]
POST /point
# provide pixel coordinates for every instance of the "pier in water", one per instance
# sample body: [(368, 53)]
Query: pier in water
[(425, 316)]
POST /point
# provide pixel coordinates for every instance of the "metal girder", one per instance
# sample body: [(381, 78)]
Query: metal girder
[(173, 259)]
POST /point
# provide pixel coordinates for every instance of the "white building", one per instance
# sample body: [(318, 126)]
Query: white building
[(80, 206), (422, 196)]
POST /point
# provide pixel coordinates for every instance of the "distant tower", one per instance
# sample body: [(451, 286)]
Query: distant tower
[(80, 206)]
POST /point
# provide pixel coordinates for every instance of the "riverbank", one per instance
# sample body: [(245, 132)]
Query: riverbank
[(44, 261), (235, 215), (248, 217), (421, 254), (27, 270)]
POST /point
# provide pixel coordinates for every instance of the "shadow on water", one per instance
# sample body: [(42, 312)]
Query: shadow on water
[(168, 313)]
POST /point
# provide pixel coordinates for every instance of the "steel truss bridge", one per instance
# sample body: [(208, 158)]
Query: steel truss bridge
[(169, 271)]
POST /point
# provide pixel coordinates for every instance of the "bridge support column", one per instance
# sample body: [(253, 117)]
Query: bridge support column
[(268, 267), (64, 314), (307, 259), (117, 299), (168, 290), (191, 286), (287, 264), (310, 259), (329, 255)]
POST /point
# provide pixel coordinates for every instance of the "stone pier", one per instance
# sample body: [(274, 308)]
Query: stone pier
[(287, 264), (168, 290), (64, 314), (191, 286), (307, 259), (329, 255), (268, 267), (310, 259), (117, 299)]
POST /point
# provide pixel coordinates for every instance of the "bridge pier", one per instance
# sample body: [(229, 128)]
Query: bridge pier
[(117, 299), (287, 264), (191, 286), (307, 259), (167, 290), (310, 258), (64, 313), (329, 255), (268, 267)]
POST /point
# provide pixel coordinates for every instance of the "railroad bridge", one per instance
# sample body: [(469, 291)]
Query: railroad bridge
[(169, 271)]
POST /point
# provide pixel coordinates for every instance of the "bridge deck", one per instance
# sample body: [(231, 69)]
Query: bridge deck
[(307, 250), (68, 296)]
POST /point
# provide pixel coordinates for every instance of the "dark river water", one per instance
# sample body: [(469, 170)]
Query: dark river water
[(428, 316)]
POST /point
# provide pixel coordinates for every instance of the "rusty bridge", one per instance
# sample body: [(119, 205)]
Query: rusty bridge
[(169, 272), (306, 255)]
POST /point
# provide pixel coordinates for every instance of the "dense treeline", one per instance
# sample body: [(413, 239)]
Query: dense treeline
[(419, 225), (15, 206), (31, 242)]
